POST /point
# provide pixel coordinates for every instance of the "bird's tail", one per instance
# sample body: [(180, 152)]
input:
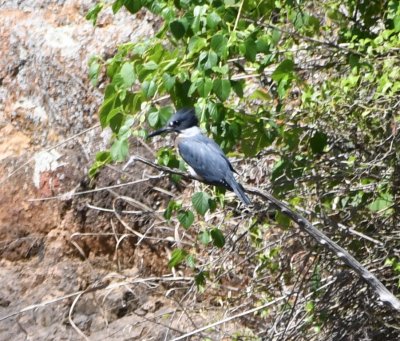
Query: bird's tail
[(239, 191)]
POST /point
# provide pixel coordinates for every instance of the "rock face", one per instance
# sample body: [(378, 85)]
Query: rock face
[(48, 245)]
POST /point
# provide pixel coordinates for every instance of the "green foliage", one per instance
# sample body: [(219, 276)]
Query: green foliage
[(202, 202), (172, 207), (395, 264), (317, 82), (205, 237), (94, 12), (200, 280), (217, 237), (102, 158), (167, 157), (186, 218), (190, 59), (177, 257), (382, 203), (94, 70), (119, 150)]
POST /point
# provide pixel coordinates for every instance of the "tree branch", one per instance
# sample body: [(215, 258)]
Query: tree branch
[(384, 294), (305, 225)]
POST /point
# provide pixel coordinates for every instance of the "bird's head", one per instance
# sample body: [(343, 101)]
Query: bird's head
[(181, 120)]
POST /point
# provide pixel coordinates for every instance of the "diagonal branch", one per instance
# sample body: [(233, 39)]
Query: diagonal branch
[(385, 296)]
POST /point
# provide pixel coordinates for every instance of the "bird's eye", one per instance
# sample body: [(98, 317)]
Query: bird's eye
[(174, 123)]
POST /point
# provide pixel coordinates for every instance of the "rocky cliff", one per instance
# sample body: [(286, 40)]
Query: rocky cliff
[(53, 246)]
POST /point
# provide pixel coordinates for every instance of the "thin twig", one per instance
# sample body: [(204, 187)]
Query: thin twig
[(68, 195), (247, 312), (71, 321), (339, 47), (47, 150), (100, 285)]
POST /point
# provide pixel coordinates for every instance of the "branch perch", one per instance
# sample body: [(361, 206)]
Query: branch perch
[(385, 296)]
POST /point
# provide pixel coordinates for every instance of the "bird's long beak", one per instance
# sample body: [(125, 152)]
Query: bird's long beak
[(160, 131)]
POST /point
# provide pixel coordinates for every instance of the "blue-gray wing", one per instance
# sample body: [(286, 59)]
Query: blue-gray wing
[(206, 158)]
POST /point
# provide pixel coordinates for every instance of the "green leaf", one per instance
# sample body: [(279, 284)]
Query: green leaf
[(136, 103), (133, 6), (108, 104), (125, 131), (119, 150), (193, 87), (152, 118), (186, 218), (149, 88), (251, 50), (261, 94), (172, 206), (205, 87), (283, 85), (201, 202), (103, 156), (263, 44), (384, 201), (230, 3), (94, 70), (168, 81), (318, 142), (112, 67), (223, 70), (116, 6), (219, 45), (238, 87), (177, 28), (279, 169), (256, 137), (282, 219), (115, 112), (396, 22), (205, 237), (180, 94), (115, 122), (200, 280), (275, 37), (177, 257), (164, 114), (127, 74), (94, 12), (213, 19), (313, 24), (217, 237), (222, 88), (309, 307), (212, 60), (199, 14), (196, 44), (94, 169), (284, 69), (150, 65), (190, 261)]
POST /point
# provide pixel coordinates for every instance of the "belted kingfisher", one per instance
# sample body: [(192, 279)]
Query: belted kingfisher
[(206, 161)]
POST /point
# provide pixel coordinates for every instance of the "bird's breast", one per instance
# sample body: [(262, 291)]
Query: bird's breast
[(192, 172)]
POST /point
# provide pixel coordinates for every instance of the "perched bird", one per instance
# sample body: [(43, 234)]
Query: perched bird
[(206, 161)]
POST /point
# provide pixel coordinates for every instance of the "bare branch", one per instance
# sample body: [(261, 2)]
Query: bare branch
[(305, 225)]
